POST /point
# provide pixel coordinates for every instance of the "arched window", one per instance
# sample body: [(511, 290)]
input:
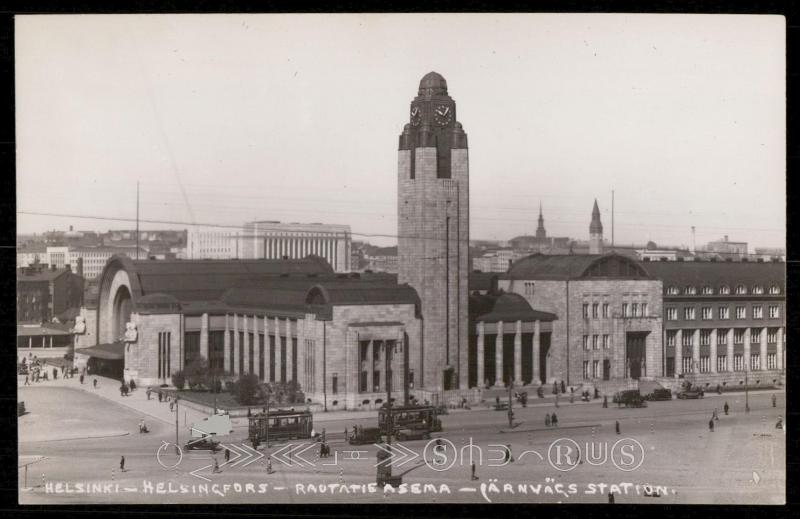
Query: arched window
[(774, 289), (707, 290), (672, 290), (724, 289), (741, 290), (758, 289), (690, 290)]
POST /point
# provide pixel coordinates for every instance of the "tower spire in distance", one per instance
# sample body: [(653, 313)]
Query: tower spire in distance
[(540, 232), (596, 231)]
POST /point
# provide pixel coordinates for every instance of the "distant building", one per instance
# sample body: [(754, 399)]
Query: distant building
[(87, 262), (726, 249), (273, 240), (381, 259), (540, 242), (496, 261), (770, 253), (651, 252), (45, 292)]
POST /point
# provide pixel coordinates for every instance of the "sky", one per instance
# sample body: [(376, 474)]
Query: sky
[(225, 119)]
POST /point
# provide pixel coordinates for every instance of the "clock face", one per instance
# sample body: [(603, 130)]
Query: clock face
[(416, 115), (443, 114)]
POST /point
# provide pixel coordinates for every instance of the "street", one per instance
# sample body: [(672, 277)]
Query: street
[(82, 437)]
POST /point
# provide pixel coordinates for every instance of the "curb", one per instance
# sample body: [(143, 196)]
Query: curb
[(95, 437)]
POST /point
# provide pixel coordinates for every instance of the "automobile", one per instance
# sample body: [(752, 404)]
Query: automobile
[(690, 394), (629, 398), (502, 406), (365, 435), (659, 394), (203, 444), (414, 433)]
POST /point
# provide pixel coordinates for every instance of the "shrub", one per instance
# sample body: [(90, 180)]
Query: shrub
[(246, 389), (179, 379)]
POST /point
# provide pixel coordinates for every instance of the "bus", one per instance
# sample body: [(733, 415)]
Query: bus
[(284, 424), (410, 417)]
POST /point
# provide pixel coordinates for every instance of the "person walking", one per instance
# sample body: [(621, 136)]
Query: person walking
[(557, 397), (227, 455), (555, 387), (122, 464), (725, 408), (148, 393), (269, 465), (554, 420), (216, 469), (473, 477), (171, 406), (711, 425), (94, 383), (122, 389), (714, 415), (773, 400), (160, 397), (27, 381), (81, 378), (547, 420), (563, 387), (616, 426), (133, 385)]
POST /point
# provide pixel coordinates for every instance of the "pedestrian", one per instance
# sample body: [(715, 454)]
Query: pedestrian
[(227, 455), (160, 397), (94, 383), (81, 378), (714, 415), (555, 388), (497, 401), (269, 465), (572, 398), (345, 434), (605, 401), (171, 406), (773, 400), (725, 408), (547, 420), (133, 385), (216, 466), (55, 373), (554, 420), (323, 435), (610, 498), (27, 382), (711, 425), (148, 392), (474, 477), (563, 387), (616, 425), (719, 389), (122, 464)]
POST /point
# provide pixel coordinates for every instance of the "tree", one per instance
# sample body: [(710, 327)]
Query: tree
[(246, 389), (179, 379), (197, 373)]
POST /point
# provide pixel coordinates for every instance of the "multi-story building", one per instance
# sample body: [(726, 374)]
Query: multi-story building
[(607, 316), (496, 261), (45, 292), (88, 262), (723, 319), (273, 240), (726, 249)]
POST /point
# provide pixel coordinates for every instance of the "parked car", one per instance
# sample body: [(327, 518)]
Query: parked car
[(691, 393), (659, 394), (629, 398), (365, 435), (203, 444)]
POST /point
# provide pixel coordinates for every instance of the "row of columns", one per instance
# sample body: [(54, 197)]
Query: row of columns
[(30, 342), (251, 325), (295, 247), (498, 352), (397, 366), (713, 350)]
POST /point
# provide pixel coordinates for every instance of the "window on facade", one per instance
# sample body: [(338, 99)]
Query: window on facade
[(738, 362), (690, 290), (605, 342), (586, 369), (758, 289), (688, 365), (741, 312), (722, 363), (594, 342), (595, 310), (687, 338), (706, 313), (724, 290), (758, 312), (705, 364), (772, 361), (595, 369), (585, 342), (755, 361), (707, 290), (626, 310), (722, 336), (741, 290), (411, 378), (672, 314), (705, 337), (774, 311), (585, 310), (738, 336), (688, 313), (644, 309), (635, 309), (724, 312), (772, 336), (605, 310), (672, 291), (755, 335), (671, 334), (774, 289)]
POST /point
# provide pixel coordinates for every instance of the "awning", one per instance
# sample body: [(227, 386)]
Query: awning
[(110, 351)]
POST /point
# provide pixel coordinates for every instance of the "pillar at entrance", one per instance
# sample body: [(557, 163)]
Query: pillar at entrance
[(278, 357), (246, 346), (267, 348), (236, 353), (537, 342), (481, 378), (695, 351), (518, 355), (370, 366), (763, 349), (256, 351), (729, 360), (678, 352), (289, 350), (747, 365), (204, 336), (779, 350), (226, 342), (713, 352), (498, 356)]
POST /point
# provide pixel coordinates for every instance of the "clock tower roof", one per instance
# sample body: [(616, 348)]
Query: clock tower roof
[(433, 83)]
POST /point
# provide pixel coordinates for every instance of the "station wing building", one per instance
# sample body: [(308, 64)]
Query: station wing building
[(722, 320), (282, 320)]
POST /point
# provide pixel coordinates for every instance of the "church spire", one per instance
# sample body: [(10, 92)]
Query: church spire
[(540, 232), (595, 231)]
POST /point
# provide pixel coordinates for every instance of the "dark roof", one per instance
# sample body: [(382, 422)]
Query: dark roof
[(108, 351), (507, 307), (39, 273), (717, 273), (574, 266), (44, 329)]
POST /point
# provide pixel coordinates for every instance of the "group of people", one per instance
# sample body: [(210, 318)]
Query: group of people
[(551, 420)]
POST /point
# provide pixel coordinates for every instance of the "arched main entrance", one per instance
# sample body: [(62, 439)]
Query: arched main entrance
[(121, 312)]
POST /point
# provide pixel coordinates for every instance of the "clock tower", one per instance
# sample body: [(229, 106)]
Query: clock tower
[(433, 229)]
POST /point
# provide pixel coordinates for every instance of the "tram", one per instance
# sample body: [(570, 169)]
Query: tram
[(280, 425), (415, 417)]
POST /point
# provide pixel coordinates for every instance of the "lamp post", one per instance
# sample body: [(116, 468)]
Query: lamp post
[(746, 390)]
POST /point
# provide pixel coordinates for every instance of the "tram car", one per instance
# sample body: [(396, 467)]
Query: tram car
[(280, 425), (410, 417)]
